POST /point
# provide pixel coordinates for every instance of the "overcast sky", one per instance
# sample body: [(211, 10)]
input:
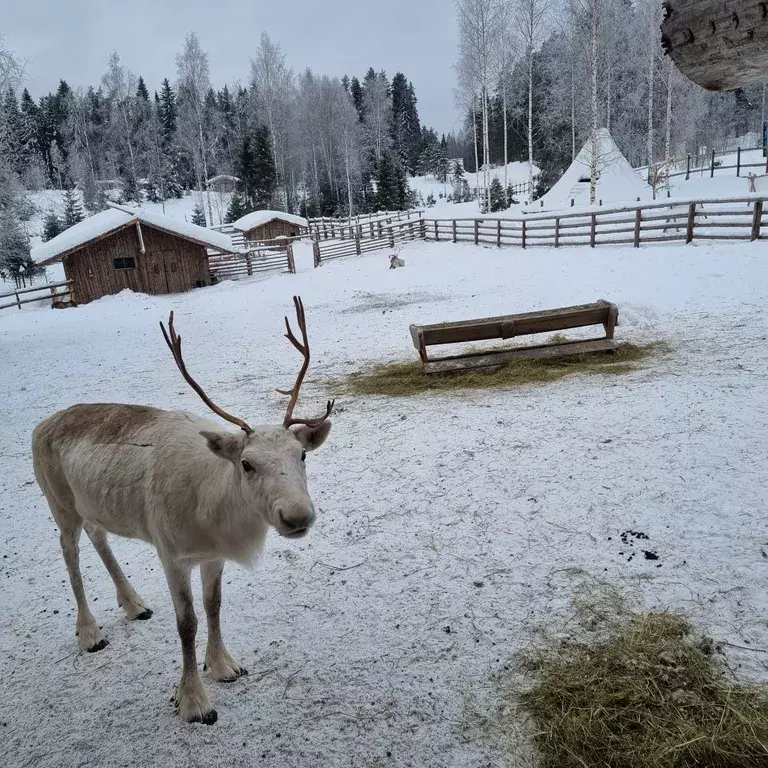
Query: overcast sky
[(72, 40)]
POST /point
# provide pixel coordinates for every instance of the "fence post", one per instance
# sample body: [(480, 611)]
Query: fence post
[(325, 230), (291, 262), (437, 234), (248, 265), (557, 231), (477, 231), (757, 221), (370, 224), (18, 302), (523, 233), (593, 231), (378, 225), (498, 233), (738, 161), (712, 171), (316, 253), (422, 228), (357, 239), (454, 230), (391, 237), (638, 221), (688, 170), (691, 222)]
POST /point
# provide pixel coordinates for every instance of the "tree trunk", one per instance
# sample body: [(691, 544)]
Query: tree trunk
[(651, 62), (477, 159), (595, 112), (573, 108), (530, 122), (205, 170), (668, 136), (506, 138)]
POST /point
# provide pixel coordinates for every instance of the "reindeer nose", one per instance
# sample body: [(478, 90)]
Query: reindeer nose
[(296, 518)]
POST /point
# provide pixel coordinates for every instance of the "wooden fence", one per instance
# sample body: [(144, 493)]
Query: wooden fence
[(49, 291), (379, 236), (268, 258), (727, 219), (342, 229)]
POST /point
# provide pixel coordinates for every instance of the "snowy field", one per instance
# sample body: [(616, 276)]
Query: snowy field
[(452, 529)]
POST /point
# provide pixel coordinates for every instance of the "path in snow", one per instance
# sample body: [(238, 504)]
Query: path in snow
[(451, 528)]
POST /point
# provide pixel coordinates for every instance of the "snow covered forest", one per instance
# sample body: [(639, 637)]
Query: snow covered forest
[(300, 142), (540, 76), (535, 79)]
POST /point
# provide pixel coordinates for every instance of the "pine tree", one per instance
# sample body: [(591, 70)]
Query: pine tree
[(356, 91), (73, 213), (142, 93), (391, 184), (264, 173), (168, 111), (198, 215), (52, 226), (237, 208), (15, 260), (498, 197)]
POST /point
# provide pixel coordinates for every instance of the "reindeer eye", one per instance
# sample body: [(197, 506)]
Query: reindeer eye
[(247, 467), (303, 455)]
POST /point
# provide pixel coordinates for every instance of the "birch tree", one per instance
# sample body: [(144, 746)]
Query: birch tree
[(274, 83), (479, 27), (531, 18), (193, 85)]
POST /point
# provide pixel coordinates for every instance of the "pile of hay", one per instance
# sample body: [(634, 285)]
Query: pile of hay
[(403, 379), (652, 696)]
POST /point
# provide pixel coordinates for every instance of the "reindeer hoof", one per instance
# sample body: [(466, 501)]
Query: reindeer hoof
[(144, 615), (100, 646), (209, 718)]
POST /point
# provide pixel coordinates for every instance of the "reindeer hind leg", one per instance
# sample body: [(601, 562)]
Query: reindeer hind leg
[(127, 597)]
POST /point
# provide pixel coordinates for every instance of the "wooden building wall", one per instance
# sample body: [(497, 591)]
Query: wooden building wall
[(170, 265), (271, 230)]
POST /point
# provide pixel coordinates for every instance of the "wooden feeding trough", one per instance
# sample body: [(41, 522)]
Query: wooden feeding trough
[(510, 326)]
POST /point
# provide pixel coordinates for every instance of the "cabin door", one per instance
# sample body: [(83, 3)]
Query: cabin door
[(154, 272)]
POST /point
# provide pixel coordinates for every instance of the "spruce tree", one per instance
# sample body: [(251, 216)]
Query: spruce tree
[(356, 91), (73, 213), (498, 196), (237, 208), (52, 226), (168, 111), (198, 215), (15, 261), (142, 94), (263, 169)]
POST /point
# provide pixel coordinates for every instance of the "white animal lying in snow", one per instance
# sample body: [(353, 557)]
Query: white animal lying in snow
[(198, 494), (395, 261)]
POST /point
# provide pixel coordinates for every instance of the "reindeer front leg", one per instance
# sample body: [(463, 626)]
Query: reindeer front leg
[(191, 699), (222, 666)]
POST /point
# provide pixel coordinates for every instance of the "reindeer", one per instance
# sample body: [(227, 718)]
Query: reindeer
[(395, 261), (200, 495)]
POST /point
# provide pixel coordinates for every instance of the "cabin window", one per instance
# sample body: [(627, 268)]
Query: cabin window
[(128, 262)]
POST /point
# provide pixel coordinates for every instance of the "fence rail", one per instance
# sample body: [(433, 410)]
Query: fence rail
[(726, 219), (385, 236), (270, 258), (55, 296), (344, 228)]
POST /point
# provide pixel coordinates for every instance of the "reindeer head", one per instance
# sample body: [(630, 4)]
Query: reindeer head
[(269, 461)]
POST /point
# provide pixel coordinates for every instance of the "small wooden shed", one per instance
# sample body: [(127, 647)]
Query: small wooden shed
[(260, 226), (135, 249)]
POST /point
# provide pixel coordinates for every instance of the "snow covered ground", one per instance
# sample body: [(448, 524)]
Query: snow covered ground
[(452, 528)]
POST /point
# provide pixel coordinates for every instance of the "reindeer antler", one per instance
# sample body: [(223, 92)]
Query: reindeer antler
[(303, 347), (174, 344)]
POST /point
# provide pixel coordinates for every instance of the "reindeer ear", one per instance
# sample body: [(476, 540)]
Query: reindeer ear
[(312, 437), (225, 444)]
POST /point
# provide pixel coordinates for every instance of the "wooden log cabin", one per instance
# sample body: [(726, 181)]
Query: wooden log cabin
[(261, 226), (140, 250)]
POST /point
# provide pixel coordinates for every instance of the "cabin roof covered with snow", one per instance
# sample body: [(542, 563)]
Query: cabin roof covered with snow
[(112, 220), (260, 218)]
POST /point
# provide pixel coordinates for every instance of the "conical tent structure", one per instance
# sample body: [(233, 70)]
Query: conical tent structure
[(617, 181)]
